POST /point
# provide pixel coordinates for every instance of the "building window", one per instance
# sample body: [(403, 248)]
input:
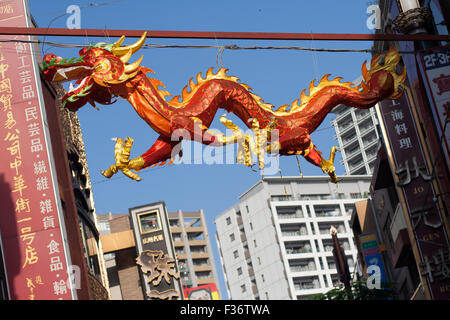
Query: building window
[(228, 221), (251, 226), (173, 222), (259, 260), (327, 211), (243, 289), (236, 254), (239, 271), (254, 242), (232, 237), (262, 278), (267, 295), (246, 207), (104, 226)]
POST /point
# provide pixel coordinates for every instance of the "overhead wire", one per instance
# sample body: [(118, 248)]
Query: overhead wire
[(92, 4), (220, 47)]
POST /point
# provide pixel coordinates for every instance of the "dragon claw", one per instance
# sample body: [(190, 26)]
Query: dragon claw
[(122, 162), (327, 166)]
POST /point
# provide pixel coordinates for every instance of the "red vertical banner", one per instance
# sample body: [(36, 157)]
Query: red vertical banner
[(31, 225), (435, 66), (416, 183)]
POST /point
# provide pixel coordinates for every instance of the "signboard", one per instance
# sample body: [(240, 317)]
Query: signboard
[(158, 268), (204, 292), (435, 66), (416, 184), (372, 254), (31, 222)]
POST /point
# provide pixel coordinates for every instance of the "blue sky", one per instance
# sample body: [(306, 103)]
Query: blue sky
[(278, 76)]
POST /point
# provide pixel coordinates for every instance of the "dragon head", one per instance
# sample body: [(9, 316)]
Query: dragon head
[(94, 71), (382, 75)]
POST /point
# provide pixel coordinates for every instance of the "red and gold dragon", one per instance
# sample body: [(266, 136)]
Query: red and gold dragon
[(102, 72)]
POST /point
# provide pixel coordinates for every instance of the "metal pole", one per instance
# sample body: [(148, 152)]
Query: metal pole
[(341, 263), (219, 35)]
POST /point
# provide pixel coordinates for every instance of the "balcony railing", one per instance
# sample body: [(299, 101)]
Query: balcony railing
[(328, 214), (371, 155), (349, 140), (303, 268), (352, 153), (342, 113), (290, 215), (306, 285), (203, 276), (369, 142), (345, 127), (365, 130), (356, 166), (294, 233), (362, 115), (298, 250)]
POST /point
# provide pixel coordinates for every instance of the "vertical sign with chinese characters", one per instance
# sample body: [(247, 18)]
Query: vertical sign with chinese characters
[(435, 66), (156, 253), (36, 255), (415, 181)]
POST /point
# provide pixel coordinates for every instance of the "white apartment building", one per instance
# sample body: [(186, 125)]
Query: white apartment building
[(357, 137), (275, 243)]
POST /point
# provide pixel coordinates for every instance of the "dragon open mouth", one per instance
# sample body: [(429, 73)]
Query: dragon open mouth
[(77, 95), (70, 73), (79, 84)]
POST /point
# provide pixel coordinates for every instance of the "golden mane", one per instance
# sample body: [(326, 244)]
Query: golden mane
[(391, 59), (190, 89)]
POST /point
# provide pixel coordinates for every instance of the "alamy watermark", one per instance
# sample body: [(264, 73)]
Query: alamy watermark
[(374, 16), (74, 20), (253, 148), (374, 279)]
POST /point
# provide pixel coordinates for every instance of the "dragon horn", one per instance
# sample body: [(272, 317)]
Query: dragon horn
[(118, 42), (120, 51), (126, 56), (129, 68)]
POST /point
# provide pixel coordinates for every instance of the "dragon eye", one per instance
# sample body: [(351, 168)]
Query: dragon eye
[(102, 66)]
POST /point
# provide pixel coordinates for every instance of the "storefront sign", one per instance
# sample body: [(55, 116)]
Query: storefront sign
[(159, 270), (416, 183), (372, 254), (31, 222), (435, 65)]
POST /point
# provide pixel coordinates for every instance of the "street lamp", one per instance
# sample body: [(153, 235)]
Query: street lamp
[(412, 19)]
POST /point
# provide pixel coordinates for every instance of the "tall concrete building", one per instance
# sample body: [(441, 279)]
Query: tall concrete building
[(193, 248), (275, 243), (357, 137)]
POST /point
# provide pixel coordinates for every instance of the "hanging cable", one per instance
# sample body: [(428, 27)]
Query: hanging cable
[(223, 47)]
